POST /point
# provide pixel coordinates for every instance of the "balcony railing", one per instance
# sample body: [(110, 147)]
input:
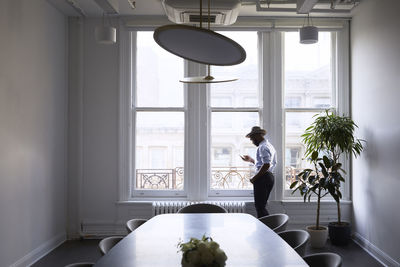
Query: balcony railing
[(291, 175), (222, 178), (160, 179), (234, 178), (172, 179)]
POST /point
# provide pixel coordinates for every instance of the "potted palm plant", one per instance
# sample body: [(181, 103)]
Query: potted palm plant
[(314, 182), (333, 135)]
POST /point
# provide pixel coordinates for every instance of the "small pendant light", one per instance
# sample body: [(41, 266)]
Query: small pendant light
[(308, 33), (105, 34)]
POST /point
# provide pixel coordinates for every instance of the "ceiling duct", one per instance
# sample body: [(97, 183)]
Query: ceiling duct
[(328, 7), (110, 7), (76, 7), (187, 11), (305, 6)]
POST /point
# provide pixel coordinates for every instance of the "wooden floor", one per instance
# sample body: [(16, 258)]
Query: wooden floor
[(87, 251)]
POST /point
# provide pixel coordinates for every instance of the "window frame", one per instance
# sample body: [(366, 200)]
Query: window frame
[(340, 101), (196, 155), (246, 193), (287, 193), (212, 193)]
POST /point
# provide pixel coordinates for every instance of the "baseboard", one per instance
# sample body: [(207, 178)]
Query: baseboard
[(40, 251), (74, 236), (374, 251)]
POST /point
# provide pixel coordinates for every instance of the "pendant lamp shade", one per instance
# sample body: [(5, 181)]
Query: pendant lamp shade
[(199, 45), (206, 79), (105, 34), (308, 35)]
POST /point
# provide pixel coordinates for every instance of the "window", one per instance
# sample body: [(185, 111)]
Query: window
[(230, 121), (159, 119), (185, 140), (308, 90)]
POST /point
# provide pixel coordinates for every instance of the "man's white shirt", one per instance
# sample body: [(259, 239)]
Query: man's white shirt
[(266, 153)]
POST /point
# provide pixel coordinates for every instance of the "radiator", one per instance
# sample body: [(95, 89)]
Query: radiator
[(162, 207)]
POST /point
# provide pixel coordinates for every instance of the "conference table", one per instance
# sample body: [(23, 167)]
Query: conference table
[(245, 240)]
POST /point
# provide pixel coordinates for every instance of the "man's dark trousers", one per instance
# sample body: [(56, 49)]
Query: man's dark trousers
[(261, 188)]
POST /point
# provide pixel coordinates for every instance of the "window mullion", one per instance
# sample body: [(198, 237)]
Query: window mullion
[(272, 118), (196, 135), (256, 109), (158, 109)]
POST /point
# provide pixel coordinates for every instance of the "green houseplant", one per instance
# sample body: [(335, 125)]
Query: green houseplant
[(333, 135), (314, 182)]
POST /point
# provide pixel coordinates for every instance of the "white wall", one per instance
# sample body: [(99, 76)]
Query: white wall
[(32, 129), (100, 127), (93, 136), (375, 48)]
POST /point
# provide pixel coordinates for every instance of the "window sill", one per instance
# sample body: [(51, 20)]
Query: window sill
[(300, 200)]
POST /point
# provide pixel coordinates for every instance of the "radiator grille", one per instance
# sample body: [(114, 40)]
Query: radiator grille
[(163, 207)]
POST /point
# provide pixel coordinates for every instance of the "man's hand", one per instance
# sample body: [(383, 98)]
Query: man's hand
[(264, 168), (247, 158)]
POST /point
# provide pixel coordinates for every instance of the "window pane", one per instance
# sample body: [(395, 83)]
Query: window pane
[(244, 92), (158, 74), (228, 142), (308, 72), (159, 141), (295, 125)]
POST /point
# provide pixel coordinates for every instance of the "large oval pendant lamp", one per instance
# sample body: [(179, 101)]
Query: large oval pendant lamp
[(200, 45)]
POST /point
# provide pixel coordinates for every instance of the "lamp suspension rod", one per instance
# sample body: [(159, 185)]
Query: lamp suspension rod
[(209, 14), (209, 77), (308, 19), (201, 13)]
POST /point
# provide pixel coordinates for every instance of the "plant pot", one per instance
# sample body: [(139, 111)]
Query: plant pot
[(339, 234), (317, 237)]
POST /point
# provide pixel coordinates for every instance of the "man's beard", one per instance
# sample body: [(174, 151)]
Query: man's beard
[(256, 143)]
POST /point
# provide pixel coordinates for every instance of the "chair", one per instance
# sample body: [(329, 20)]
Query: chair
[(325, 259), (80, 264), (276, 222), (297, 239), (131, 225), (107, 243), (202, 208)]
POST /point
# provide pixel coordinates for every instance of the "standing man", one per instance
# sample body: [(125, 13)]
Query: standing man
[(263, 180)]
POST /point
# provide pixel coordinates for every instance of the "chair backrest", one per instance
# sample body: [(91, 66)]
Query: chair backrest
[(276, 222), (326, 259), (131, 225), (202, 208), (80, 264), (297, 239), (107, 243)]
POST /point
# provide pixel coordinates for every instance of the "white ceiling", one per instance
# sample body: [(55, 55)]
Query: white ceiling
[(154, 8)]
